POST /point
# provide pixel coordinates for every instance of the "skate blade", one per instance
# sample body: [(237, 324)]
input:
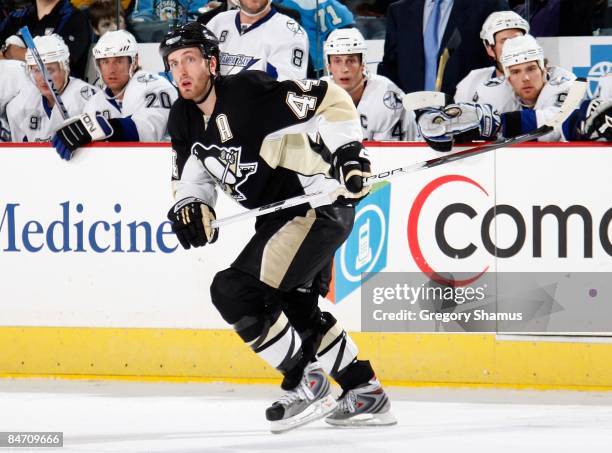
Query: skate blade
[(315, 411), (364, 420)]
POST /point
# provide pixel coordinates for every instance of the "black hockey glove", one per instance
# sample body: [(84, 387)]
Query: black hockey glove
[(350, 164), (191, 219), (78, 131), (598, 122)]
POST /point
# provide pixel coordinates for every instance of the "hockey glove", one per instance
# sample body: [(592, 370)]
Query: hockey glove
[(598, 122), (78, 131), (191, 222), (457, 123), (350, 164)]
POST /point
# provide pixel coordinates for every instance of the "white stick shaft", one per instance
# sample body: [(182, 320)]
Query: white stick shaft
[(313, 198)]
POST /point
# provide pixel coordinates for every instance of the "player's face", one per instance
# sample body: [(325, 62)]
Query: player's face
[(115, 72), (57, 74), (190, 72), (527, 80), (500, 38), (346, 70), (253, 6)]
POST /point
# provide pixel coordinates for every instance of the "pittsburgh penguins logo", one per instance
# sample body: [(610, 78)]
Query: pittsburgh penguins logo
[(224, 165)]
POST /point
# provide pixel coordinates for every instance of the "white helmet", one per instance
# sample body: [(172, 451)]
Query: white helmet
[(521, 49), (52, 49), (499, 21), (118, 43), (344, 41)]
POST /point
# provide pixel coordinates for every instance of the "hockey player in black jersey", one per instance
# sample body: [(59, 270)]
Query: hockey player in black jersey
[(246, 134)]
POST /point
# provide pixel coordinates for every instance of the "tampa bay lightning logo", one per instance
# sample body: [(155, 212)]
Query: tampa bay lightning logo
[(224, 165), (295, 28), (146, 78), (87, 92), (392, 100), (559, 80)]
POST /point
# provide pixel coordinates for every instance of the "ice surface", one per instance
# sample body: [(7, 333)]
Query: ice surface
[(111, 416)]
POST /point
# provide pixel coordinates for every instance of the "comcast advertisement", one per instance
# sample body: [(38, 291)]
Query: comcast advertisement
[(519, 240)]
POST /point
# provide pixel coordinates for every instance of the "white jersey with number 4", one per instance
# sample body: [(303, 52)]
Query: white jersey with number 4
[(145, 107), (275, 44), (381, 112), (32, 120), (483, 86)]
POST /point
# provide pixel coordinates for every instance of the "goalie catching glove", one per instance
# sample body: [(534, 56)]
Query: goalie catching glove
[(78, 131), (457, 123), (350, 165), (191, 222)]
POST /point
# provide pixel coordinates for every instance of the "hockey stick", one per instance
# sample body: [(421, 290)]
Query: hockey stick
[(29, 41), (572, 101), (453, 43), (425, 99)]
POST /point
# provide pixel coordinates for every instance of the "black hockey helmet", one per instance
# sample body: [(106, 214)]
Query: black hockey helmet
[(192, 34)]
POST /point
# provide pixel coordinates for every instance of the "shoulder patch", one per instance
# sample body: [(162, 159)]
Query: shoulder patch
[(494, 82), (559, 80), (87, 92), (294, 27), (392, 100), (146, 78)]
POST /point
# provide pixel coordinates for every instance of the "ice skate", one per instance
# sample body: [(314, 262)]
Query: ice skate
[(367, 405), (309, 401)]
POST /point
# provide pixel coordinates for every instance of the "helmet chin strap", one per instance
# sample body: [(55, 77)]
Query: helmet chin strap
[(211, 84)]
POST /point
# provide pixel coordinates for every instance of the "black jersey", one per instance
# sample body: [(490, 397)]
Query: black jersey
[(254, 145)]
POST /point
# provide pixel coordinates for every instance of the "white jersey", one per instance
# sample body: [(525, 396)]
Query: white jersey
[(12, 80), (550, 100), (32, 120), (605, 87), (381, 111), (275, 44), (483, 86), (145, 107)]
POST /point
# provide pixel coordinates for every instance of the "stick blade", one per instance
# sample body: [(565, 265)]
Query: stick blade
[(454, 41), (423, 99)]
